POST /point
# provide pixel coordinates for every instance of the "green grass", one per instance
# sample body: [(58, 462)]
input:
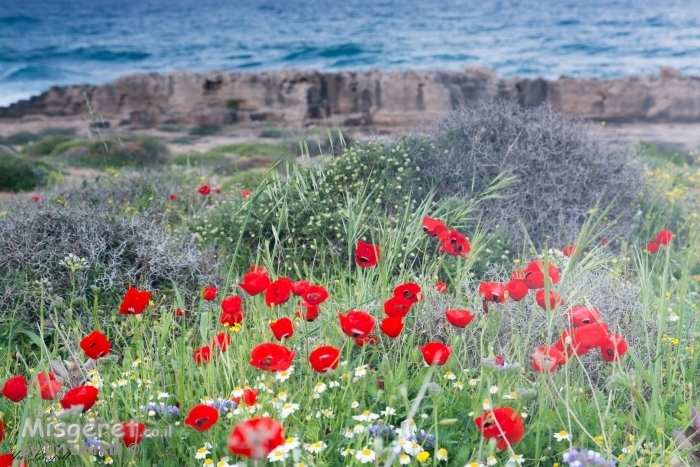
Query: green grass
[(170, 128)]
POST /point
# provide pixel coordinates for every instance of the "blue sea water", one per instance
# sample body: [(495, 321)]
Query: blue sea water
[(59, 42)]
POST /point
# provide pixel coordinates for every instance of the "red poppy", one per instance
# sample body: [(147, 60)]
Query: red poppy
[(299, 287), (245, 193), (356, 323), (48, 386), (366, 254), (250, 396), (397, 306), (581, 315), (436, 353), (255, 282), (546, 359), (534, 274), (392, 326), (271, 357), (550, 303), (653, 247), (135, 301), (613, 348), (499, 360), (370, 339), (202, 417), (582, 339), (278, 292), (664, 237), (493, 292), (455, 244), (7, 459), (569, 251), (179, 312), (204, 190), (256, 438), (132, 433), (516, 290), (410, 291), (459, 318), (315, 295), (433, 227), (221, 341), (202, 355), (308, 312), (15, 388), (209, 293), (231, 312), (324, 358), (36, 199), (84, 396), (95, 345), (441, 287), (503, 424), (282, 328)]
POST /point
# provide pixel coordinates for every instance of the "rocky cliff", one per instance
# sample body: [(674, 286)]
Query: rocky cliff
[(358, 98)]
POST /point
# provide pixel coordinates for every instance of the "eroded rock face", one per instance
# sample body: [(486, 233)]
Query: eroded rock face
[(358, 98)]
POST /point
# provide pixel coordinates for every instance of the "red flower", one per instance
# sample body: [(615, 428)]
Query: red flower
[(549, 303), (604, 240), (48, 386), (356, 323), (7, 459), (308, 312), (459, 318), (392, 326), (441, 287), (282, 328), (256, 438), (278, 292), (95, 345), (84, 396), (613, 347), (324, 358), (132, 433), (179, 312), (209, 293), (516, 289), (173, 196), (397, 306), (135, 301), (231, 312), (36, 199), (217, 191), (245, 193), (202, 417), (455, 244), (582, 339), (202, 355), (15, 388), (204, 190), (410, 291), (569, 251), (221, 341), (534, 274), (664, 237), (315, 295), (546, 359), (582, 315), (370, 339), (271, 357), (255, 282), (503, 424), (250, 396), (653, 247), (433, 227), (366, 254), (493, 292), (436, 353), (299, 287)]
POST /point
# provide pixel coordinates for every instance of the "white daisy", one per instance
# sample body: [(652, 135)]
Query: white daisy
[(277, 454), (441, 454), (562, 436), (202, 453), (354, 404), (449, 375), (291, 443), (366, 416), (404, 459), (315, 448), (493, 389), (388, 411), (288, 409), (365, 456), (517, 458), (361, 371)]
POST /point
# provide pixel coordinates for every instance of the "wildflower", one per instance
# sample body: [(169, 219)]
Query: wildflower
[(282, 328), (441, 287), (277, 454), (449, 375), (284, 374), (288, 409), (256, 438), (503, 424), (517, 458), (459, 318), (397, 307), (202, 355), (82, 396), (589, 458), (511, 395), (673, 317), (315, 295), (562, 435), (664, 237), (134, 302), (291, 443), (534, 274), (278, 292), (546, 359), (435, 353), (95, 345), (204, 190), (366, 254), (582, 315), (320, 388), (324, 358), (410, 291), (492, 292), (491, 460), (569, 251), (202, 453), (245, 193), (315, 448), (202, 417), (404, 459), (231, 313), (271, 357), (365, 456), (493, 389), (132, 433), (255, 282), (334, 384), (308, 312), (434, 227), (552, 301), (366, 416), (345, 452), (392, 326), (441, 454), (613, 348), (15, 388), (516, 290), (358, 429), (209, 293), (356, 323), (422, 456), (221, 341), (354, 404), (458, 384), (48, 386), (455, 244)]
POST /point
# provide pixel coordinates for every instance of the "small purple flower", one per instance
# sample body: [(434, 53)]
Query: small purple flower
[(576, 458), (161, 409), (425, 439)]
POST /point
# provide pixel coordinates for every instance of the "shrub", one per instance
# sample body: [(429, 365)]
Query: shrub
[(45, 146), (251, 149), (70, 145), (249, 179), (122, 151), (21, 174), (204, 130), (23, 137), (563, 167), (170, 128), (197, 158), (57, 132), (274, 132)]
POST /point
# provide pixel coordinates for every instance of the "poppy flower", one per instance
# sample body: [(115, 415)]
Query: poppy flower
[(299, 287), (231, 312), (493, 292), (433, 227), (397, 306), (209, 293), (455, 244), (308, 312), (410, 291), (370, 339), (221, 341), (245, 193), (613, 348), (134, 302), (202, 417), (534, 274), (271, 357), (95, 345), (546, 359), (255, 282), (653, 247), (256, 438), (84, 396), (569, 251), (204, 190), (36, 198), (315, 295), (179, 312), (259, 269), (441, 287), (324, 358), (202, 355), (499, 360), (356, 323), (8, 459), (366, 254), (551, 302), (282, 328), (132, 433), (582, 339), (278, 292), (459, 318), (503, 424), (516, 289), (392, 326), (15, 388), (436, 353), (249, 397), (664, 237), (581, 315), (48, 386)]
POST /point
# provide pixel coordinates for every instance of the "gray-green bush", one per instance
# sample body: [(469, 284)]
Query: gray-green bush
[(19, 173)]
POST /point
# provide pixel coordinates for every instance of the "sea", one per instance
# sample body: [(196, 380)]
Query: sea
[(44, 43)]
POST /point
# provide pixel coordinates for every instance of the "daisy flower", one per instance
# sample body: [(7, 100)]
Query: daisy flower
[(361, 371), (315, 448), (291, 443), (345, 452), (284, 375), (202, 453), (288, 409), (491, 460), (366, 416), (563, 435), (388, 411), (365, 456), (517, 459), (404, 459), (108, 460), (354, 405), (282, 396), (349, 433), (474, 464), (208, 463), (441, 454), (223, 463), (334, 384), (511, 395), (358, 429), (493, 389), (277, 454), (449, 375), (458, 384), (473, 382), (486, 404)]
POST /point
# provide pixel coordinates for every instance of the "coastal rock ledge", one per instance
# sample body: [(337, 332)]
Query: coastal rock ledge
[(359, 98)]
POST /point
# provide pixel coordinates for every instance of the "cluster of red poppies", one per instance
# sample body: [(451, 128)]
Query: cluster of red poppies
[(451, 242), (663, 238)]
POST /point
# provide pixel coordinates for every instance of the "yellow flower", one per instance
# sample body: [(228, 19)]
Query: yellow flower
[(422, 456), (599, 440)]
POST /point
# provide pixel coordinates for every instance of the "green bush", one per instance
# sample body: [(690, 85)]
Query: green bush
[(204, 130), (23, 137), (45, 146), (56, 132), (197, 159), (249, 179), (182, 140), (656, 155), (274, 132), (170, 128), (122, 151), (21, 174), (69, 145), (251, 149)]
